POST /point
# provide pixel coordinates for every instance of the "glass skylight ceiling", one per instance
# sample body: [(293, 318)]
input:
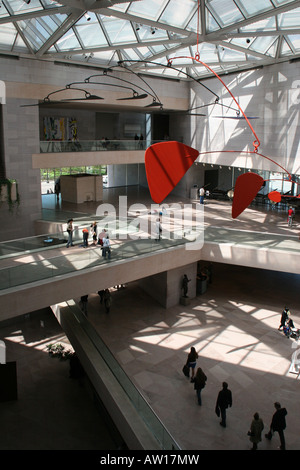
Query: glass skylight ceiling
[(228, 35)]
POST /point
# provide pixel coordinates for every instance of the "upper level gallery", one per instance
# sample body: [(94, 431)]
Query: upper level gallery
[(56, 154)]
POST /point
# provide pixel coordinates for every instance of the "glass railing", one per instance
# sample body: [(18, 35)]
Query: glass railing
[(154, 424), (82, 258), (94, 145)]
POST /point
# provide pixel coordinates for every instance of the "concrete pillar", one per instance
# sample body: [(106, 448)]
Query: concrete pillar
[(166, 288)]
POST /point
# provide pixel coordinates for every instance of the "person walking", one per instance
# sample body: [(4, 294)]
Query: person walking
[(284, 318), (199, 384), (256, 429), (278, 424), (192, 361), (70, 230), (158, 230), (224, 400)]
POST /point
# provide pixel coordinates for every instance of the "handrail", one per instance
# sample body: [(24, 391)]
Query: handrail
[(139, 402), (54, 146)]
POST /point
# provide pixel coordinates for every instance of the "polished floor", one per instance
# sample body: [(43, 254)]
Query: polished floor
[(233, 326)]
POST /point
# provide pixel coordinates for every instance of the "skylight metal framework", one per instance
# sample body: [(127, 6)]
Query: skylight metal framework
[(230, 35)]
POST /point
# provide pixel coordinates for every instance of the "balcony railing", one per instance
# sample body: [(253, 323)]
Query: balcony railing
[(53, 146)]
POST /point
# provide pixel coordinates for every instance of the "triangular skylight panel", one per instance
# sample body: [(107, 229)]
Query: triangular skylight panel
[(150, 9), (255, 7), (285, 48), (178, 12), (225, 12)]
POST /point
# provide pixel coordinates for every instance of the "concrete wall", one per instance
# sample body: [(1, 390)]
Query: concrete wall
[(21, 140)]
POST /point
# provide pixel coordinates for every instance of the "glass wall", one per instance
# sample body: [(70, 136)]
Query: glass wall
[(50, 175)]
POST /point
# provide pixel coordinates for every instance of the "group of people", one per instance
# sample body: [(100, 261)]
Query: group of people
[(224, 401), (102, 240), (105, 297)]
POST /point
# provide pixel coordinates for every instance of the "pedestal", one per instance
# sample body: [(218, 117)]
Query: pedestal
[(185, 300), (81, 188)]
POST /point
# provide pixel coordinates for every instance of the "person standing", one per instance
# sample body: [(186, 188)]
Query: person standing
[(84, 304), (107, 300), (192, 361), (224, 400), (256, 429), (94, 232), (199, 384), (278, 424), (106, 247), (85, 235), (70, 233), (158, 229), (101, 295), (202, 194)]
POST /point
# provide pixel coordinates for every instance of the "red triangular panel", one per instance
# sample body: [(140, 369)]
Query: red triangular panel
[(166, 163), (246, 187)]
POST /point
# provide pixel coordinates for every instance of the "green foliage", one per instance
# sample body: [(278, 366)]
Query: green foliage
[(58, 350)]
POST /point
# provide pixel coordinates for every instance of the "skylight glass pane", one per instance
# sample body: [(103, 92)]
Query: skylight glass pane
[(119, 31), (19, 6), (7, 36), (208, 52), (285, 49), (226, 11), (262, 44), (227, 55), (295, 41), (242, 42), (91, 35), (122, 7), (19, 45), (145, 52), (50, 3), (158, 49), (51, 23), (130, 54), (273, 49), (147, 33), (147, 9), (184, 55), (291, 19), (178, 12), (105, 57), (262, 25), (3, 11), (254, 7), (34, 32), (211, 23), (68, 42), (281, 2), (193, 24)]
